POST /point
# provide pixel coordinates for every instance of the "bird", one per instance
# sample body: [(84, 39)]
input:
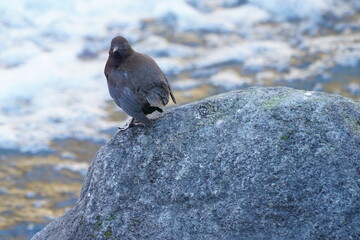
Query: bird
[(135, 82)]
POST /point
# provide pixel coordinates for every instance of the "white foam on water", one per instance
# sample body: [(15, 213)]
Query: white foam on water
[(47, 93), (255, 55), (52, 96), (290, 9)]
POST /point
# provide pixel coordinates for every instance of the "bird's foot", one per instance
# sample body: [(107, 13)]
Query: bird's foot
[(132, 123), (126, 125), (123, 128)]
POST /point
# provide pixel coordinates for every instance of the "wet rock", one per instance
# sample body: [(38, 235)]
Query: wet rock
[(318, 87), (263, 163), (233, 3), (293, 10), (3, 191), (185, 84), (160, 47), (39, 203), (229, 80), (80, 167), (353, 89), (92, 48), (254, 57), (30, 195), (68, 155)]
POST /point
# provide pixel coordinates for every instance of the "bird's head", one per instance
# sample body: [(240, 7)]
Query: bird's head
[(120, 47)]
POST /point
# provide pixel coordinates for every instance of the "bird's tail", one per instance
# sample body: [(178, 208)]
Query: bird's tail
[(172, 97)]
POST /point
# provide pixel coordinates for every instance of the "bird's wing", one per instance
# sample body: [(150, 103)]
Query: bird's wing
[(158, 94), (125, 98), (157, 97)]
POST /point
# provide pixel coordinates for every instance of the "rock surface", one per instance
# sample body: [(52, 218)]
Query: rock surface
[(263, 163)]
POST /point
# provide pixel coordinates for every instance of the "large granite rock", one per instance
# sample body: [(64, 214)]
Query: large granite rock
[(263, 163)]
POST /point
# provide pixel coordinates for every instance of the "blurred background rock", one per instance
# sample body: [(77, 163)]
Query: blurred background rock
[(55, 110)]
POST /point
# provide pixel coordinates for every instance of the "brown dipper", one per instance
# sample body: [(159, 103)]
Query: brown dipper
[(135, 81)]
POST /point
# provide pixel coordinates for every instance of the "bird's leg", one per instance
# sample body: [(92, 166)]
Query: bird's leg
[(123, 128), (132, 123), (127, 125)]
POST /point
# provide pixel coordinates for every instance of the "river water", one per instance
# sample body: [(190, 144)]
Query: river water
[(55, 111)]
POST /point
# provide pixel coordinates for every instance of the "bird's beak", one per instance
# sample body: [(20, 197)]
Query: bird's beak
[(115, 49)]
